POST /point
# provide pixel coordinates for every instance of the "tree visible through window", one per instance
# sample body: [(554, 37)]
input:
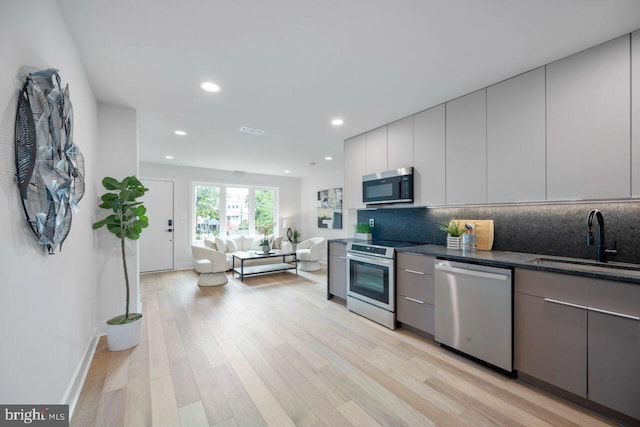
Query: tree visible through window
[(265, 209), (207, 211), (234, 210)]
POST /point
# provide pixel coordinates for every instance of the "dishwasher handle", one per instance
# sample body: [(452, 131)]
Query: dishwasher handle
[(469, 272)]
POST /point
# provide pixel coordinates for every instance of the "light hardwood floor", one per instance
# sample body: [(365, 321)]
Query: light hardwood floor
[(274, 351)]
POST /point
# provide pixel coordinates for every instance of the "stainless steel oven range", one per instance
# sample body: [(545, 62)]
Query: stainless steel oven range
[(371, 288)]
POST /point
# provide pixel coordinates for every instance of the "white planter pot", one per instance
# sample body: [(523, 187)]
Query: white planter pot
[(122, 337), (454, 242), (362, 236)]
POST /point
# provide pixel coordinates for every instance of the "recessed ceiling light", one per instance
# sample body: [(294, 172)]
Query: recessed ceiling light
[(180, 132), (328, 158), (254, 131), (168, 157), (337, 122), (210, 87), (287, 171)]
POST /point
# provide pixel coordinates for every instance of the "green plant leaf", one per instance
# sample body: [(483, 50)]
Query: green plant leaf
[(110, 183)]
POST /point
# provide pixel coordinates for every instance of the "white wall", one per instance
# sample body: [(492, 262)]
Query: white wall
[(309, 188), (288, 206), (48, 303), (118, 154)]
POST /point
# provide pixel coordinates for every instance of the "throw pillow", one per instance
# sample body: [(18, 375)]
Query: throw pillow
[(247, 242), (276, 242), (221, 244), (231, 246)]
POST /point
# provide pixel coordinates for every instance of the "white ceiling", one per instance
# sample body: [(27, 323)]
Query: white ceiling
[(290, 66)]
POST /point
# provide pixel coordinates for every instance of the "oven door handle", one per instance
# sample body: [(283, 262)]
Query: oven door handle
[(371, 260)]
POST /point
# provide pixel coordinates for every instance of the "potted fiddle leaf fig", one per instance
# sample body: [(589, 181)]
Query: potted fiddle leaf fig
[(125, 222)]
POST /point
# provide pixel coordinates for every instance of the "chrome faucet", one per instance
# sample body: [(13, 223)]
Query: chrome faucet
[(601, 248)]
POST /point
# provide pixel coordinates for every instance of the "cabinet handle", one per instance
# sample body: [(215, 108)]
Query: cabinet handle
[(342, 257), (597, 310), (613, 313), (414, 300), (470, 272), (415, 272), (555, 301)]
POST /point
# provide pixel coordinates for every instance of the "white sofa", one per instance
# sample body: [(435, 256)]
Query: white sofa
[(246, 244)]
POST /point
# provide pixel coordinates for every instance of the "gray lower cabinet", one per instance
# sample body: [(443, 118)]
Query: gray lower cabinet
[(580, 334), (551, 342), (614, 370), (338, 270), (415, 291)]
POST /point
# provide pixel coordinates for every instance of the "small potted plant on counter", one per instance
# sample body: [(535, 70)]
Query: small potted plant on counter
[(454, 231), (363, 231)]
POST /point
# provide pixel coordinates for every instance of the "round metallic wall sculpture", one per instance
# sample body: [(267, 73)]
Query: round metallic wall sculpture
[(49, 166)]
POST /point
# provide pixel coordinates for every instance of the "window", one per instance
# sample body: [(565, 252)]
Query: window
[(237, 211), (265, 211), (207, 202), (233, 210)]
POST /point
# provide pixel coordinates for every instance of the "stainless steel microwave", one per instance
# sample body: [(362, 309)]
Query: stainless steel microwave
[(395, 186)]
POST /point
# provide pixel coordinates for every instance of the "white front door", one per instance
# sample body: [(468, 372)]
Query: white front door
[(156, 241)]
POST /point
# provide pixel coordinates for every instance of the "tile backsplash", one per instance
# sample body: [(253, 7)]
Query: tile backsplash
[(546, 229)]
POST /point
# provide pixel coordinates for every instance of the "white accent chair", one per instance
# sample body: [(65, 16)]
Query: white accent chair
[(309, 252), (211, 265)]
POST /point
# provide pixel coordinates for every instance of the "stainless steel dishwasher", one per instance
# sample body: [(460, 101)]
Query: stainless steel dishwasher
[(473, 311)]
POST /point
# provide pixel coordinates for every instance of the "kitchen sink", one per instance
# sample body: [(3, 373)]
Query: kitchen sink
[(584, 264)]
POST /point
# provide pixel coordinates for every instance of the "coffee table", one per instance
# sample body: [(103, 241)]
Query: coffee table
[(243, 270)]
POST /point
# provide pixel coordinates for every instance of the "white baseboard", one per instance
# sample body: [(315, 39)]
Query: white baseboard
[(72, 394)]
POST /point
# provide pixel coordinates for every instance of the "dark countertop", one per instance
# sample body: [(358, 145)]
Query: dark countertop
[(629, 274)]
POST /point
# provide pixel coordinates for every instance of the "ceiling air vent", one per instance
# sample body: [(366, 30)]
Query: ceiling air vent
[(254, 131)]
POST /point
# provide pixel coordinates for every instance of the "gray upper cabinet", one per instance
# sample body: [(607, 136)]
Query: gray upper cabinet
[(354, 168), (429, 154), (635, 117), (376, 152), (466, 150), (400, 144), (516, 139), (588, 123)]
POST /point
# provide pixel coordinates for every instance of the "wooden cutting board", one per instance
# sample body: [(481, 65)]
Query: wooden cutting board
[(484, 231)]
